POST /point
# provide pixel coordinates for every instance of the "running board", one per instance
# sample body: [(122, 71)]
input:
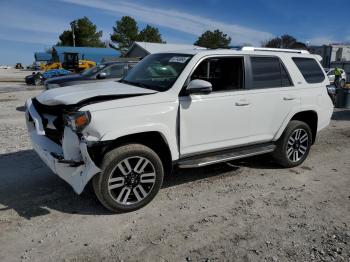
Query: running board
[(226, 155)]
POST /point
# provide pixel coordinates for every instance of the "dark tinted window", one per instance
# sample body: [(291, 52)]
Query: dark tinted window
[(93, 70), (114, 71), (285, 77), (224, 73), (268, 72), (310, 69)]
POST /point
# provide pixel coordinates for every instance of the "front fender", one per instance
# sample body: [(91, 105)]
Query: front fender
[(113, 123), (168, 135)]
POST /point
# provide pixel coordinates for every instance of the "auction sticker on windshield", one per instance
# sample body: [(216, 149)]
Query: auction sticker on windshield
[(178, 59)]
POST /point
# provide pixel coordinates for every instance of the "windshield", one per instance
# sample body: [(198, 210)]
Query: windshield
[(93, 70), (158, 71)]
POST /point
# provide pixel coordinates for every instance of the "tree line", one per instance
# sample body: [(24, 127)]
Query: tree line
[(126, 31)]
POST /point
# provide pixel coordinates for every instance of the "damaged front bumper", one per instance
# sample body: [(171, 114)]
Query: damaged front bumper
[(71, 161)]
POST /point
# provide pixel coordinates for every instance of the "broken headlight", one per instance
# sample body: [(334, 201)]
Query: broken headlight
[(78, 120)]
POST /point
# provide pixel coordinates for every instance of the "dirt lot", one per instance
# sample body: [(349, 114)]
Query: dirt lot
[(248, 210), (13, 75)]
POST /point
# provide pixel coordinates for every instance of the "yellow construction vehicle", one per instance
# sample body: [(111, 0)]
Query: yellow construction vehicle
[(85, 64), (71, 62), (50, 66)]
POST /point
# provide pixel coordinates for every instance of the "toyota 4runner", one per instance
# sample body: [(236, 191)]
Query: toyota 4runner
[(188, 108)]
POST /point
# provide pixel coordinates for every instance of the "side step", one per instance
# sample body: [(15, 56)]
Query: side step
[(225, 155)]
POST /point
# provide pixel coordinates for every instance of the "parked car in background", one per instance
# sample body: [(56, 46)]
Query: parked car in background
[(39, 78), (19, 66), (5, 67), (332, 92), (188, 109), (105, 71), (34, 67), (331, 76)]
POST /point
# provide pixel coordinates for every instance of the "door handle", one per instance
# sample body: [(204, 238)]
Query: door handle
[(287, 98), (242, 103)]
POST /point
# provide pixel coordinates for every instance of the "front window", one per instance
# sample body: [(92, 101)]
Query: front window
[(158, 71), (224, 73)]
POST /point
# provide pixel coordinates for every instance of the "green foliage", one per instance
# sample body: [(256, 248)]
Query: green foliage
[(284, 41), (150, 34), (85, 34), (125, 32), (213, 39)]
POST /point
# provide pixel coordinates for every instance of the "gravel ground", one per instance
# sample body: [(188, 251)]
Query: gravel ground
[(14, 75), (248, 210)]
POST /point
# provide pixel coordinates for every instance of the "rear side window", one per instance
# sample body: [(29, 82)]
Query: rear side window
[(310, 69), (268, 72)]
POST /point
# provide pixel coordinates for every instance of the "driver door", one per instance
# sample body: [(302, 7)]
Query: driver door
[(220, 119)]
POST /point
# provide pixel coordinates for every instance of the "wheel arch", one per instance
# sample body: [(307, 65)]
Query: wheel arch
[(152, 139), (309, 117)]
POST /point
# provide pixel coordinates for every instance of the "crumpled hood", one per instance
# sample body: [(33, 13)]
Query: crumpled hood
[(71, 95)]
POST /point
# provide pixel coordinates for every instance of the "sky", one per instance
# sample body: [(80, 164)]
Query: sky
[(32, 26)]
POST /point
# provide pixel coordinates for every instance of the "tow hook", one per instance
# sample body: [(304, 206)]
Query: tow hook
[(71, 163)]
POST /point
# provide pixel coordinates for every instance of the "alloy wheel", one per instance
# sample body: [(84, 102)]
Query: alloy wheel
[(131, 180), (297, 145)]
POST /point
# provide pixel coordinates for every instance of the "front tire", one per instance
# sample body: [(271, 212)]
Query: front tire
[(294, 145), (131, 177)]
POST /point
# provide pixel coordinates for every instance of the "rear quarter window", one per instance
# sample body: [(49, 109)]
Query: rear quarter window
[(310, 69)]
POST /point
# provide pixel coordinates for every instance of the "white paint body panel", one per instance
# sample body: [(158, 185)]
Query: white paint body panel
[(73, 94), (189, 125), (111, 120), (213, 121)]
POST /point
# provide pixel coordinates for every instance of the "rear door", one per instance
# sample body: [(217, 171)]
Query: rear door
[(271, 94)]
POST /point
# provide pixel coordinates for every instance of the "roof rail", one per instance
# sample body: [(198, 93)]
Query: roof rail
[(251, 48)]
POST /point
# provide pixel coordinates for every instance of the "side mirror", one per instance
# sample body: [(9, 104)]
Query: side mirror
[(101, 75), (198, 86)]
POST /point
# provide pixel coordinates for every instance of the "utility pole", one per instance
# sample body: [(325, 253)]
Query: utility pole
[(72, 24)]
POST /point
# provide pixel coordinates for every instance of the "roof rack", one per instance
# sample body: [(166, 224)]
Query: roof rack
[(251, 48)]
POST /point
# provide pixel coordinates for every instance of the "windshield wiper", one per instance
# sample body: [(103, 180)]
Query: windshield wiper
[(136, 84)]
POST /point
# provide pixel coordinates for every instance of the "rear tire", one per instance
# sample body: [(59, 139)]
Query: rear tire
[(294, 145), (131, 177)]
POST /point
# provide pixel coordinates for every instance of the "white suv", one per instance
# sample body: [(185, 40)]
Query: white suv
[(188, 108)]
